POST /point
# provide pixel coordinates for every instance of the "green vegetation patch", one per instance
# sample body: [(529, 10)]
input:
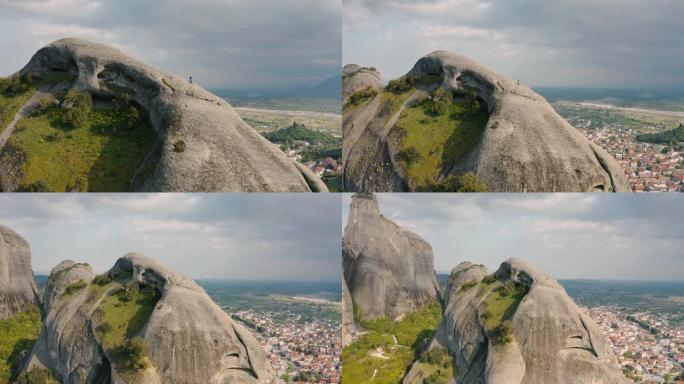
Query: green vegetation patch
[(121, 316), (365, 363), (11, 102), (37, 376), (435, 135), (98, 154), (17, 336), (360, 97), (498, 308), (299, 132), (75, 287), (436, 367)]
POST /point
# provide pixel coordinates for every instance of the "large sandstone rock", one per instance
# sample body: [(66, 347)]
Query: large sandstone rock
[(348, 323), (191, 339), (553, 341), (525, 145), (389, 270), (221, 152), (18, 289)]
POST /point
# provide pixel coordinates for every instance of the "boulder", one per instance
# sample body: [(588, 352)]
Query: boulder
[(205, 145), (525, 146), (551, 340), (190, 339), (18, 289)]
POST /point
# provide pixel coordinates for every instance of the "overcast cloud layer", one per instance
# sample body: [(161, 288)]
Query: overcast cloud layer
[(238, 236), (614, 43), (611, 236), (237, 44)]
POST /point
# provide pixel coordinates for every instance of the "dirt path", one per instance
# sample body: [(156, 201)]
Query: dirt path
[(29, 106)]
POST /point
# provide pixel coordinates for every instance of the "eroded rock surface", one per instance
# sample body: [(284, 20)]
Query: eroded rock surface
[(205, 145), (18, 289), (389, 270), (356, 78), (191, 340), (551, 340), (525, 145)]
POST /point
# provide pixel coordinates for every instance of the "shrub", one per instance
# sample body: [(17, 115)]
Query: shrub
[(104, 328), (436, 356), (468, 182), (75, 287), (81, 105), (467, 285), (131, 116), (489, 279), (36, 376), (401, 84), (361, 96), (43, 105), (136, 351), (503, 333), (37, 186), (102, 280), (441, 100), (179, 146), (408, 156), (124, 295)]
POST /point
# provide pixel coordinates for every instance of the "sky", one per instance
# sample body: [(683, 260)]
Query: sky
[(568, 236), (231, 44), (283, 237), (579, 43)]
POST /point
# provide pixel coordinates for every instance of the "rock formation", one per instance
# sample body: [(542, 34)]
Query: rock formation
[(18, 289), (356, 78), (389, 270), (545, 339), (348, 324), (191, 339), (524, 145), (205, 146)]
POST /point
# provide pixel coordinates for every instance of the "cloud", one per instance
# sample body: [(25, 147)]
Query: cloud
[(567, 235), (255, 44), (250, 236), (622, 43)]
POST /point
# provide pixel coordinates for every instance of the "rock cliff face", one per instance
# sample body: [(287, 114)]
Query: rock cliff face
[(545, 339), (18, 289), (205, 146), (356, 78), (524, 145), (191, 340), (389, 270)]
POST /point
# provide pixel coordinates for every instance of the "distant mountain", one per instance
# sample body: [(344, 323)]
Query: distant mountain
[(330, 88)]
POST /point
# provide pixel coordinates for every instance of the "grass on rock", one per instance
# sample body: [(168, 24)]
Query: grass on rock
[(433, 142), (123, 313), (499, 307), (11, 104), (361, 360), (100, 156), (17, 336)]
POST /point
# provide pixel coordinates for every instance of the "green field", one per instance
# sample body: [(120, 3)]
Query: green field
[(100, 156), (17, 336), (361, 362), (431, 143)]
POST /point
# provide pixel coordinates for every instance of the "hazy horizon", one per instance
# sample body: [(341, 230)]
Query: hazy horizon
[(627, 43), (276, 237), (621, 236), (235, 44)]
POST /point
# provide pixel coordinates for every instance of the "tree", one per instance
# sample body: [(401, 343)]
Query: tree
[(441, 100), (81, 103), (136, 351), (36, 376)]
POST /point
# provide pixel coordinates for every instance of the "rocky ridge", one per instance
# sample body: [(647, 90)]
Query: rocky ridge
[(205, 145), (524, 146)]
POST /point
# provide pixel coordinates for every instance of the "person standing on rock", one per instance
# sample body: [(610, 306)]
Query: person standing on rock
[(190, 79)]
